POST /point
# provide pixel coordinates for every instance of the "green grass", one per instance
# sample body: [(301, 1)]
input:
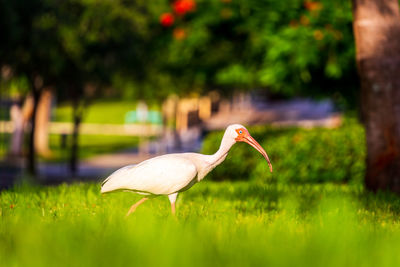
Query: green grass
[(5, 140), (91, 145), (232, 224), (110, 112), (98, 112)]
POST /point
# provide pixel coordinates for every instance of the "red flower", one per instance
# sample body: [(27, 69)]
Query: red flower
[(181, 7), (179, 34), (167, 19), (312, 6)]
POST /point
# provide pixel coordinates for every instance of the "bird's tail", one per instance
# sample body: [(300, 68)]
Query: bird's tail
[(113, 182), (104, 187), (105, 181)]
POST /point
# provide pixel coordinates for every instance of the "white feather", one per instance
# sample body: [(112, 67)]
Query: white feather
[(161, 175)]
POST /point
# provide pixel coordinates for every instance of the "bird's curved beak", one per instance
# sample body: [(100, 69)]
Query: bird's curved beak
[(251, 141)]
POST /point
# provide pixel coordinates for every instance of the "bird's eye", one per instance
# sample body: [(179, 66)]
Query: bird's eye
[(240, 132)]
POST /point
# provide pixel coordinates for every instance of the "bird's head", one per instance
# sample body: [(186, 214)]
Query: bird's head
[(240, 134)]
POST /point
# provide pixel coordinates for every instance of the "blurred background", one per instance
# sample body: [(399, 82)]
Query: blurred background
[(90, 86)]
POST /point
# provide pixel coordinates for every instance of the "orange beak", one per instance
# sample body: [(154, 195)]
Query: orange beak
[(251, 141)]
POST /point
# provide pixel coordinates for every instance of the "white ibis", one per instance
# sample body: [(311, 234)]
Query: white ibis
[(171, 174)]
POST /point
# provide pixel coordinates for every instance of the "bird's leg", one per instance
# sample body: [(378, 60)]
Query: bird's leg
[(137, 204), (173, 208), (172, 199)]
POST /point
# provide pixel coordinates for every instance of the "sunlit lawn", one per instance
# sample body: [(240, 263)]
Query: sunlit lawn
[(109, 112), (90, 145), (232, 224)]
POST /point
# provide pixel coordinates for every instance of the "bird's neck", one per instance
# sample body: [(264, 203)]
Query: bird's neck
[(223, 150), (211, 161)]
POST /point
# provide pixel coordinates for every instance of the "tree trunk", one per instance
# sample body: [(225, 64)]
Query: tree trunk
[(377, 35), (75, 144), (17, 138), (42, 123), (79, 106), (31, 148)]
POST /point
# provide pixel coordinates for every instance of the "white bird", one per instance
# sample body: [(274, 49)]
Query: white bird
[(171, 174)]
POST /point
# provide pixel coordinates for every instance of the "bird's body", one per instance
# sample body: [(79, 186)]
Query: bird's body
[(171, 174)]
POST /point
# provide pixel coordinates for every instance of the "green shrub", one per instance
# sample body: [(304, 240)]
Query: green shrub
[(297, 155)]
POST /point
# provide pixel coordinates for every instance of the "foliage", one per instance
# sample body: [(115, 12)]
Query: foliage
[(292, 47), (235, 224), (72, 43), (297, 155)]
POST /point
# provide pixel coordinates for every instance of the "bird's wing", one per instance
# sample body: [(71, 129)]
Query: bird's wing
[(160, 175)]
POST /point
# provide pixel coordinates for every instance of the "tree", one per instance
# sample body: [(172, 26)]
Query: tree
[(377, 36), (293, 48), (68, 45), (42, 123)]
